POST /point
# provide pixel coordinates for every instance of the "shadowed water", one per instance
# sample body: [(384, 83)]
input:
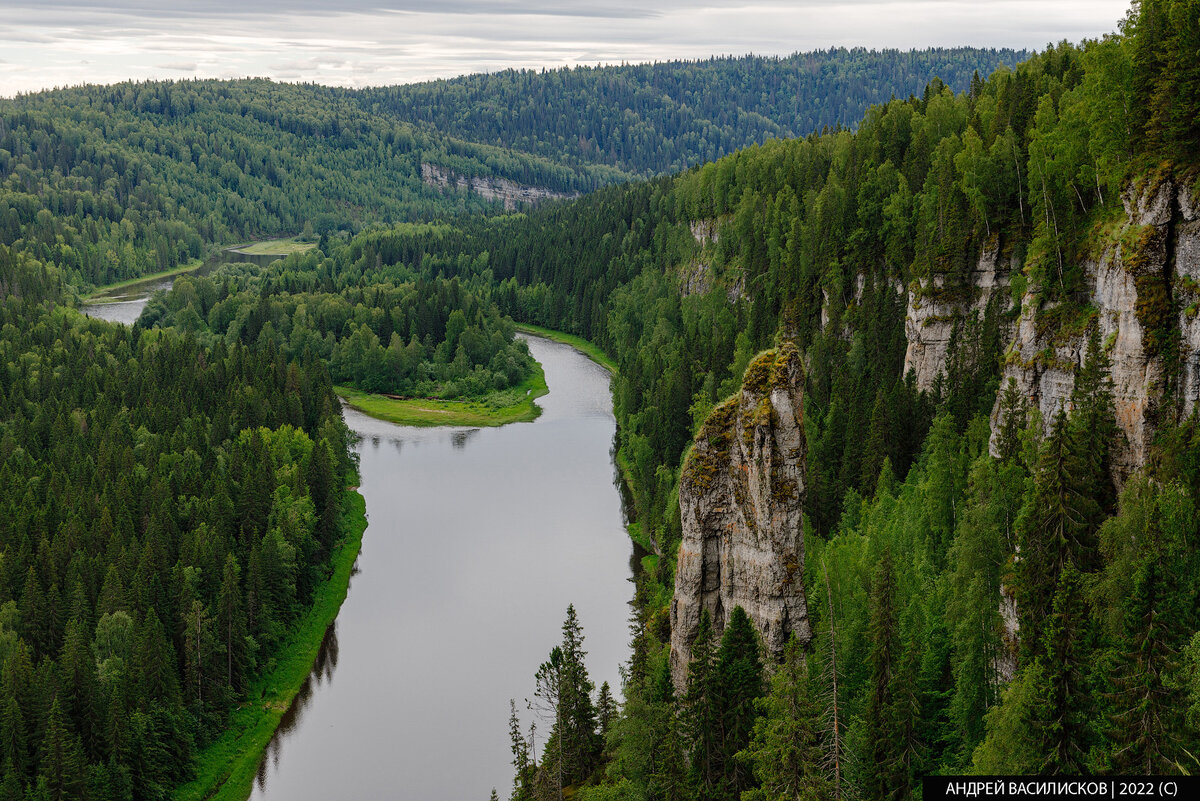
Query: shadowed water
[(477, 541)]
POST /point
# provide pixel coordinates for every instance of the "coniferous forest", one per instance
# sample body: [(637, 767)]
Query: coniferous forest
[(1000, 574)]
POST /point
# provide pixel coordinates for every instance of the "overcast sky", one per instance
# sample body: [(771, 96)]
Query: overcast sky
[(47, 43)]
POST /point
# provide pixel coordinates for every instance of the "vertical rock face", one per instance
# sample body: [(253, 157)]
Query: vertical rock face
[(1187, 295), (510, 193), (1157, 250), (697, 276), (933, 311), (740, 496)]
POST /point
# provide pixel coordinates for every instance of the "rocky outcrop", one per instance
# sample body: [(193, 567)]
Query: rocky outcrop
[(697, 277), (1187, 295), (740, 497), (1141, 285), (510, 193), (934, 308)]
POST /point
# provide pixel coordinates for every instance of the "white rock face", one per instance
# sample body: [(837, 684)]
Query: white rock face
[(741, 496), (1187, 296), (510, 193), (932, 313), (1162, 223), (697, 278)]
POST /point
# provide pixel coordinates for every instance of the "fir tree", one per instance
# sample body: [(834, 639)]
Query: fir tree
[(1066, 733), (606, 709), (701, 716), (789, 750), (738, 683), (61, 763), (1056, 526)]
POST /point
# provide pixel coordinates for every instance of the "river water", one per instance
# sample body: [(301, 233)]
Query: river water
[(125, 305), (477, 541)]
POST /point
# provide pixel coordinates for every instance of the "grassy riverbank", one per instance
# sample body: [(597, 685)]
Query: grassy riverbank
[(226, 769), (275, 247), (180, 270), (514, 405), (578, 343)]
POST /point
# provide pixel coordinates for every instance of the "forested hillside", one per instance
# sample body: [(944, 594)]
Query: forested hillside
[(112, 182), (167, 510), (663, 117), (1039, 227), (839, 314)]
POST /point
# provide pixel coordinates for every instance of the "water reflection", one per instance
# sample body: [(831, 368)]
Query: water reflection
[(322, 672), (459, 439), (474, 554)]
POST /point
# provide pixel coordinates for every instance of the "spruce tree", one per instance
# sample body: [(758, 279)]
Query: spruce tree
[(701, 718), (523, 767), (1066, 730), (1156, 615), (1094, 422), (14, 749), (606, 709), (230, 625), (1056, 526), (881, 746), (61, 763), (738, 683), (581, 744), (790, 750)]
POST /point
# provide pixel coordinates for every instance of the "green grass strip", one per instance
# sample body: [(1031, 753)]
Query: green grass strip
[(514, 405), (183, 268), (225, 770), (579, 343), (274, 247)]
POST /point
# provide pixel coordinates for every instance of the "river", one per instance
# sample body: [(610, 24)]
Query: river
[(477, 541), (124, 305)]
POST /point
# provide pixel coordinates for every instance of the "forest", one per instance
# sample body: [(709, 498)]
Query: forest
[(390, 330), (112, 182), (167, 509), (676, 114), (912, 520), (172, 491)]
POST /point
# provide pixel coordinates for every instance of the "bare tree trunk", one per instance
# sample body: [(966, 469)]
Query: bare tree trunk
[(1020, 188)]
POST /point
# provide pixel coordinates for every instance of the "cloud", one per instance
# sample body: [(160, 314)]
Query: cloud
[(374, 42)]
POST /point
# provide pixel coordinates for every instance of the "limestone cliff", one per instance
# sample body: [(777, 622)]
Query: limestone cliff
[(1142, 294), (510, 193), (740, 496), (697, 276), (934, 308)]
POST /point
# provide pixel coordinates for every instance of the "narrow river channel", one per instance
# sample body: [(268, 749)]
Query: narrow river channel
[(477, 541)]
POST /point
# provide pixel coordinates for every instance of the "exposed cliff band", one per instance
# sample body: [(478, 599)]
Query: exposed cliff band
[(510, 193), (1143, 296), (741, 499)]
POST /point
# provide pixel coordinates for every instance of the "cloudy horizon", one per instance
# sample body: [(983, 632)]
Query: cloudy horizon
[(50, 43)]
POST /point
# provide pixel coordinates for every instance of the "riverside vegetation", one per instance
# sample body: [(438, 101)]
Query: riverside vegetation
[(209, 433), (929, 647), (170, 511)]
